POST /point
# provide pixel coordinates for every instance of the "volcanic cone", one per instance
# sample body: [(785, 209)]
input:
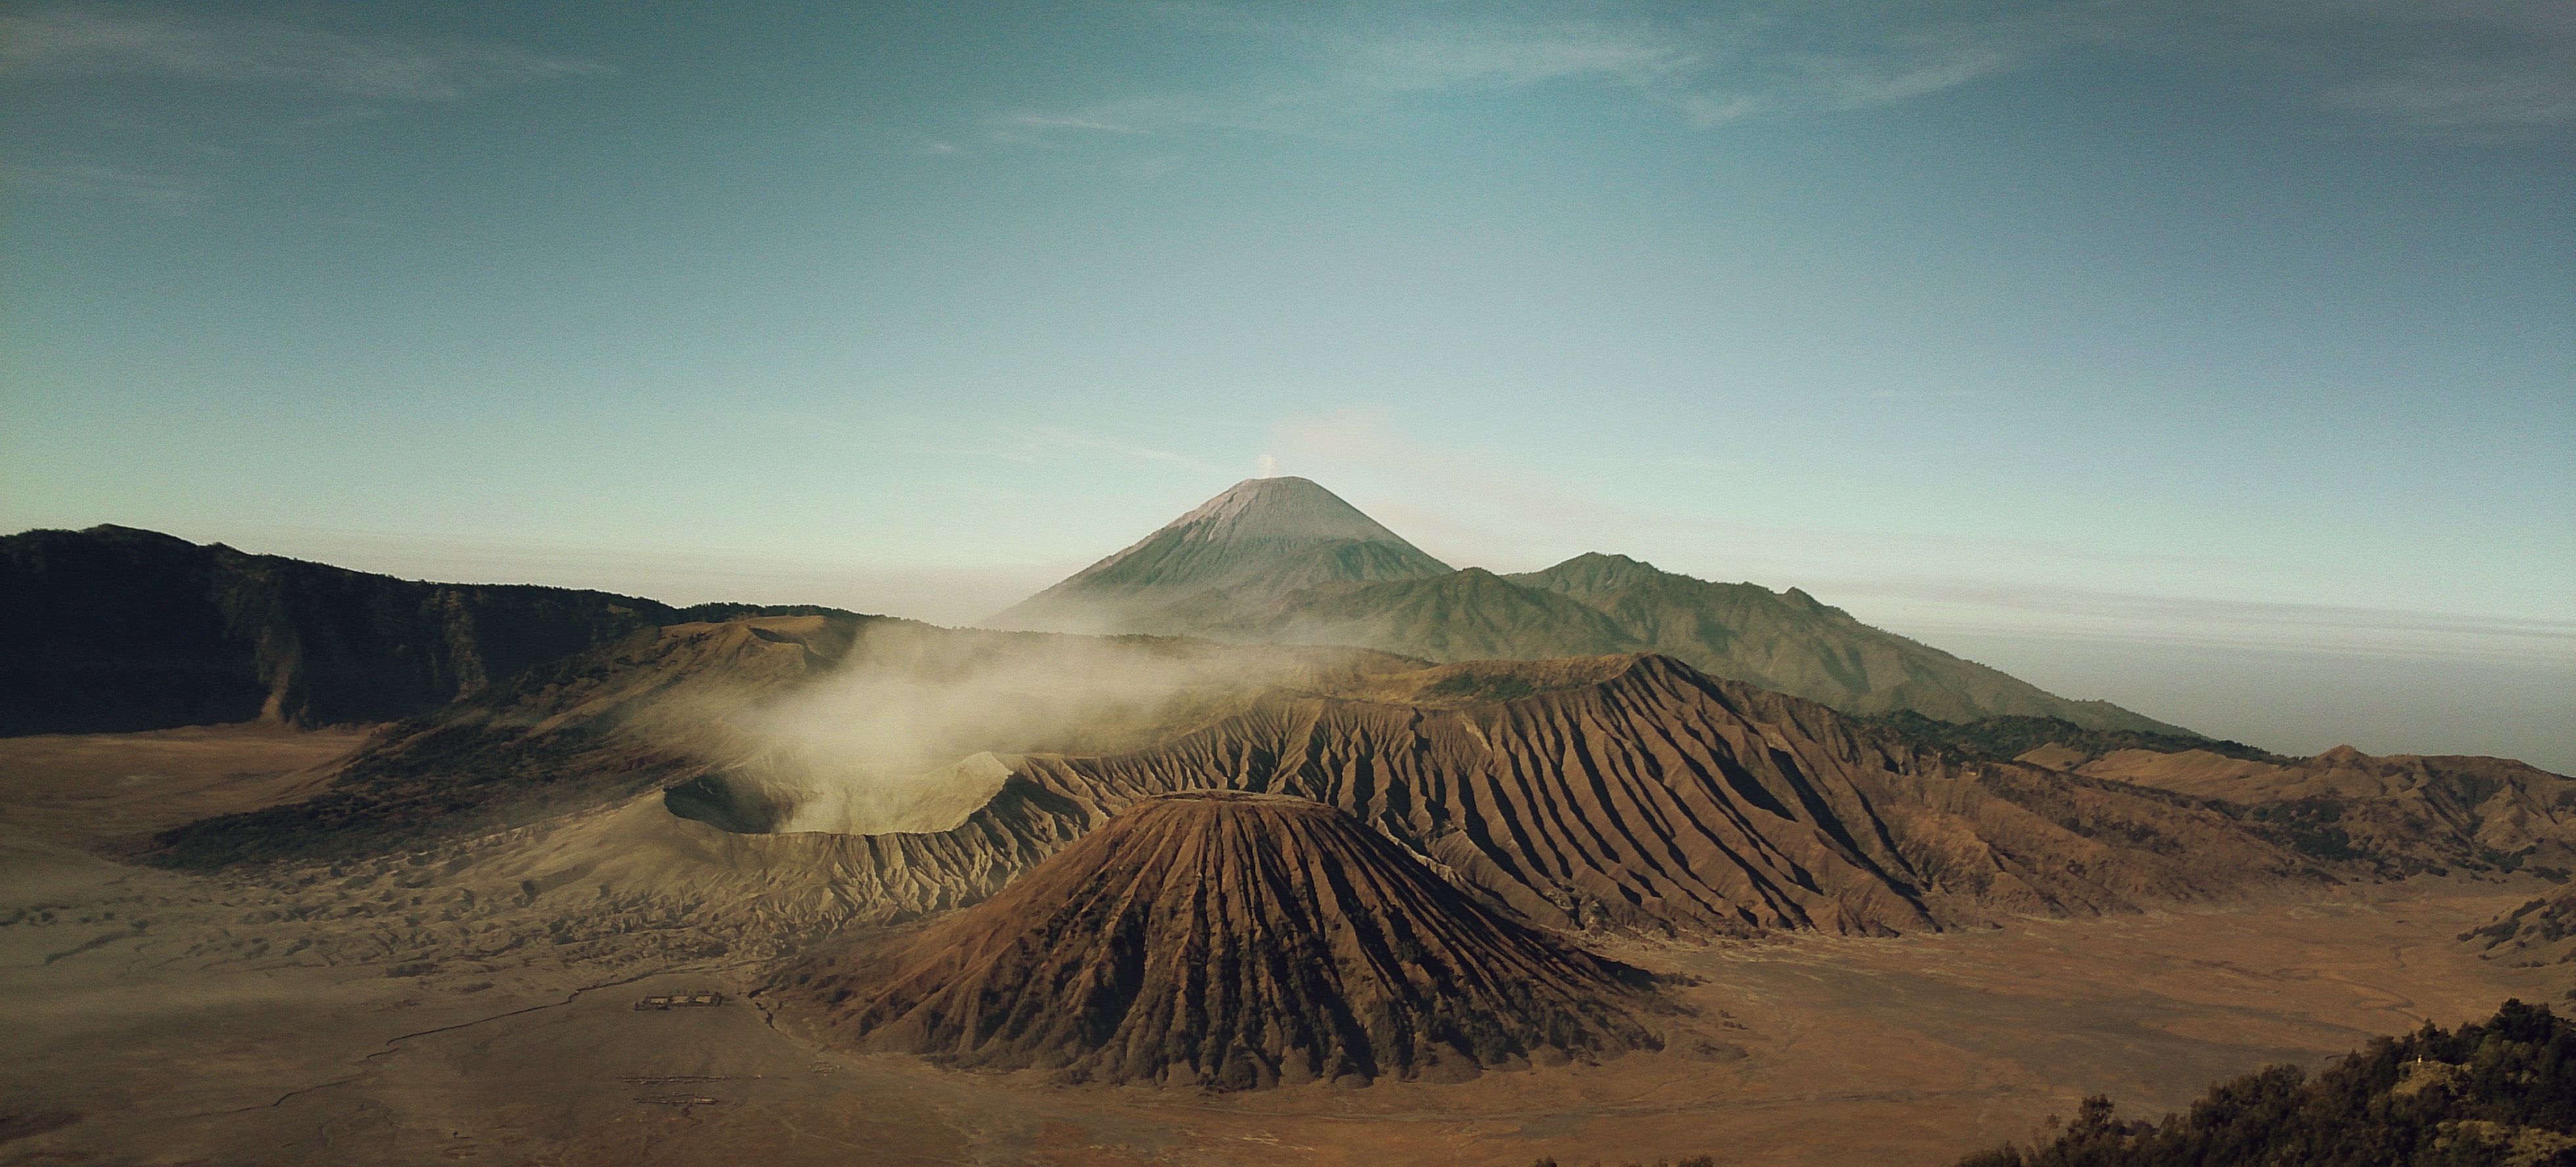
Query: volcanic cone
[(1231, 941)]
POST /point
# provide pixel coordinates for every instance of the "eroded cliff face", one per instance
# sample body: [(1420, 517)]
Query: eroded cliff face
[(1231, 941), (1658, 799)]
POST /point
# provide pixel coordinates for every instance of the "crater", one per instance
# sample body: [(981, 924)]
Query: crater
[(761, 800)]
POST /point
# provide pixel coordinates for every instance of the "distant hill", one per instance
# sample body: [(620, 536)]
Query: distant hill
[(1283, 560), (115, 629), (2403, 814)]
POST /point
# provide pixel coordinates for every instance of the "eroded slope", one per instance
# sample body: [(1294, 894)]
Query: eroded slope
[(1233, 941)]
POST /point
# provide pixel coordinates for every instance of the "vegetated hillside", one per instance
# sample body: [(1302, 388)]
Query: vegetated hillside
[(2540, 932), (1282, 560), (1229, 941), (1789, 642), (119, 630), (2500, 1092), (1464, 615), (2066, 745), (2400, 814)]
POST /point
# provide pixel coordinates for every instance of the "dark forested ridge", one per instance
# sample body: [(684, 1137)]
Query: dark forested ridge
[(2500, 1091), (115, 629), (2011, 737)]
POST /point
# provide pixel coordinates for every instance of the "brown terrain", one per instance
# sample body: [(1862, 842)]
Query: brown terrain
[(1874, 948), (1234, 942), (2406, 813)]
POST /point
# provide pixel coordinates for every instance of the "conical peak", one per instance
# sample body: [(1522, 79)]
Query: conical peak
[(1138, 833), (1217, 802), (1342, 958), (1281, 509)]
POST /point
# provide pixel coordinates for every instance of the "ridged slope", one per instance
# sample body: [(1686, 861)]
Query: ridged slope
[(1627, 792), (1231, 941), (1657, 798)]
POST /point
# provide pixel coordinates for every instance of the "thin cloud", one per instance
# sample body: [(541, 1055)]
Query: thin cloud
[(2026, 610), (170, 196), (1060, 438), (1043, 123), (2435, 65), (1308, 76), (1514, 57), (64, 43), (1481, 513), (2440, 95)]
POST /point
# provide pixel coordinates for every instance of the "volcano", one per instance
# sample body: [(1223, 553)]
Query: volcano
[(1285, 561), (1261, 539), (1229, 941)]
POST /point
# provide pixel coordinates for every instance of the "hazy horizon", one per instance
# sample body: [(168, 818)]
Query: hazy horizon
[(2212, 360)]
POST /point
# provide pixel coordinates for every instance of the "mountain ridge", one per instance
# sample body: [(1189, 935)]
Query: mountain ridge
[(1201, 576), (122, 629)]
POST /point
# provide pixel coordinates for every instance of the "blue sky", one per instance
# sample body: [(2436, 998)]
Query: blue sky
[(2218, 359)]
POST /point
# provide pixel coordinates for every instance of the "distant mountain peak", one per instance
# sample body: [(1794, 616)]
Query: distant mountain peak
[(1284, 509), (1260, 537)]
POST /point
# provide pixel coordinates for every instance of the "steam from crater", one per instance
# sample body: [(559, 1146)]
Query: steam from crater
[(918, 728)]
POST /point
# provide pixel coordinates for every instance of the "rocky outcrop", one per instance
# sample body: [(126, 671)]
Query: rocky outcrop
[(1229, 941)]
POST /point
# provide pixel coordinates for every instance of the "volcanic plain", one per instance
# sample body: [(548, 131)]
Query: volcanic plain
[(281, 1017)]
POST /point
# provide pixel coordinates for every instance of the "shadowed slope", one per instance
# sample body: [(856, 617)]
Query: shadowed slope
[(116, 629), (1232, 941)]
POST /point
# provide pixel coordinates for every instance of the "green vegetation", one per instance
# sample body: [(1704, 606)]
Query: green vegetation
[(2500, 1092), (1480, 687), (2004, 738)]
